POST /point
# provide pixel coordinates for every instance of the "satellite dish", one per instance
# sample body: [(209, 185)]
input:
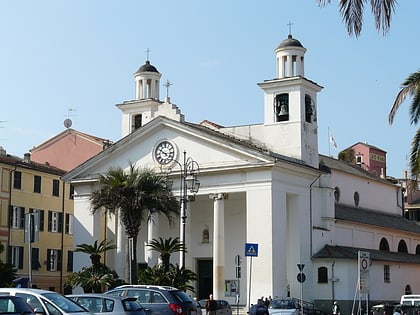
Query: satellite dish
[(67, 123)]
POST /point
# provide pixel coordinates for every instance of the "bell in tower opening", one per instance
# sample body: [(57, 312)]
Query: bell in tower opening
[(281, 107)]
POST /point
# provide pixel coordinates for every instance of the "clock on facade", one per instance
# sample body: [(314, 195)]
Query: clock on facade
[(164, 152)]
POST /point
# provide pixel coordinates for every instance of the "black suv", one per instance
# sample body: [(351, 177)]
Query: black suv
[(160, 300)]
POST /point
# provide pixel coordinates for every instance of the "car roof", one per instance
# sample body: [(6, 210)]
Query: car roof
[(147, 286), (98, 295), (26, 290)]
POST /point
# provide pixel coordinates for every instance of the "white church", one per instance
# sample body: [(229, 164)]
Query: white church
[(266, 196)]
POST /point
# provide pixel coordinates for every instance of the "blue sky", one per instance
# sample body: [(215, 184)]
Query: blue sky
[(81, 55)]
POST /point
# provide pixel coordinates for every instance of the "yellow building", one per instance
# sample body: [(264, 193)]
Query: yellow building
[(30, 187)]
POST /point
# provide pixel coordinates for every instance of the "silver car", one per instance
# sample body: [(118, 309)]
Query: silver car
[(46, 302), (285, 306), (104, 304)]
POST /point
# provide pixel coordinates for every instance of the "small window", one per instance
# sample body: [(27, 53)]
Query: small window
[(356, 198), (387, 277), (16, 256), (281, 107), (35, 259), (55, 221), (137, 121), (53, 260), (402, 247), (70, 261), (17, 219), (71, 192), (408, 290), (359, 159), (37, 184), (337, 194), (69, 223), (308, 108), (322, 275), (17, 180), (56, 188), (384, 245), (206, 236), (418, 250)]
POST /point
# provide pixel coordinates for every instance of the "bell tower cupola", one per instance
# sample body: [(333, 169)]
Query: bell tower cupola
[(146, 106), (147, 82), (290, 106)]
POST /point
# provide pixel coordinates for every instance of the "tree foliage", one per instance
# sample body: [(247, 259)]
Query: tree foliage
[(352, 14), (134, 196), (95, 250), (165, 248), (7, 272)]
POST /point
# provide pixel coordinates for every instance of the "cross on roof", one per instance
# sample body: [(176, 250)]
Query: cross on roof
[(290, 27), (167, 85), (147, 53)]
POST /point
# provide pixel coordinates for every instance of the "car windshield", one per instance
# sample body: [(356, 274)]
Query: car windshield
[(282, 304), (64, 303)]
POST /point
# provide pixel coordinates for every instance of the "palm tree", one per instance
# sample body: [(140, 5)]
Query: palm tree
[(165, 248), (95, 250), (352, 13), (94, 279), (134, 195), (410, 87)]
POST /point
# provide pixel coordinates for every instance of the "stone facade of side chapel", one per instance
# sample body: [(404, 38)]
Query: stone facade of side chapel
[(263, 184)]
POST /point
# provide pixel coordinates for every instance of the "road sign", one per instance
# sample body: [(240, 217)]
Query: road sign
[(300, 266), (251, 250), (301, 277), (364, 264)]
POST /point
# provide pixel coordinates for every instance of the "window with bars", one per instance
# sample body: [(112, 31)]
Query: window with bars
[(387, 274)]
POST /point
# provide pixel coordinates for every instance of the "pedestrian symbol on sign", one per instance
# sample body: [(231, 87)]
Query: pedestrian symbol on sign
[(251, 250)]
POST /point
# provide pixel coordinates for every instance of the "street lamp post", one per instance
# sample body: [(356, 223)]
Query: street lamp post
[(189, 183)]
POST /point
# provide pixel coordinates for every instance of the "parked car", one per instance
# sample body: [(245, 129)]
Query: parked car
[(223, 307), (106, 304), (13, 305), (284, 306), (46, 302), (160, 300)]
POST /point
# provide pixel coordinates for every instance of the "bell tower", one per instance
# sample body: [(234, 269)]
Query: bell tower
[(290, 106), (146, 106)]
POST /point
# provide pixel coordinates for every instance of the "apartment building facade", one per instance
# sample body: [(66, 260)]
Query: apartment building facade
[(34, 192)]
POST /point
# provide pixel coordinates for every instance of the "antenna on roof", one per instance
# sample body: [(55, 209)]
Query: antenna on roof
[(67, 121)]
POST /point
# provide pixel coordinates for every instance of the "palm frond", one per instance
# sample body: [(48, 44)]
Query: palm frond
[(410, 87)]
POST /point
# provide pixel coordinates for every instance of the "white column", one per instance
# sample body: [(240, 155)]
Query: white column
[(218, 246), (290, 65), (120, 259), (152, 233)]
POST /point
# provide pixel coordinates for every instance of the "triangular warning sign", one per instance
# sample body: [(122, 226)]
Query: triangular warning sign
[(251, 250)]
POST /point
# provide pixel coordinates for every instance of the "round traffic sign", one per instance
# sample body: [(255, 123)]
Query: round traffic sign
[(301, 277)]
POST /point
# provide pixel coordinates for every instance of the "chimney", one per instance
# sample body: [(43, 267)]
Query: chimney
[(27, 157), (2, 151)]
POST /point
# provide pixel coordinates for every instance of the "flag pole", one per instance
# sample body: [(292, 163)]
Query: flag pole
[(329, 142)]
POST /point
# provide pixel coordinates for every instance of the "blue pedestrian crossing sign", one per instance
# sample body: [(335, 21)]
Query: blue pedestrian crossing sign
[(251, 250)]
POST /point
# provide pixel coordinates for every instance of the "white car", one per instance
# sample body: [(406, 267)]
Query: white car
[(46, 302), (284, 307)]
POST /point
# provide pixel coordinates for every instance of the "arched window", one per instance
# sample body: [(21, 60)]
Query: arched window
[(383, 245), (281, 107), (206, 236), (408, 289), (402, 247), (337, 194), (356, 198), (322, 275)]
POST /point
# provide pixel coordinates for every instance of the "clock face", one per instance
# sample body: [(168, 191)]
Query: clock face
[(164, 152)]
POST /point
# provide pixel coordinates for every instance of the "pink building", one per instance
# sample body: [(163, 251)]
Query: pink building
[(370, 158), (68, 149)]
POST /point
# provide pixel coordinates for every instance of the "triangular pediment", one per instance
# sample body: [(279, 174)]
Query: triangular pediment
[(209, 148)]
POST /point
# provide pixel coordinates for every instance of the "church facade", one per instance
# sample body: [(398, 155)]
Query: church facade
[(295, 220)]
